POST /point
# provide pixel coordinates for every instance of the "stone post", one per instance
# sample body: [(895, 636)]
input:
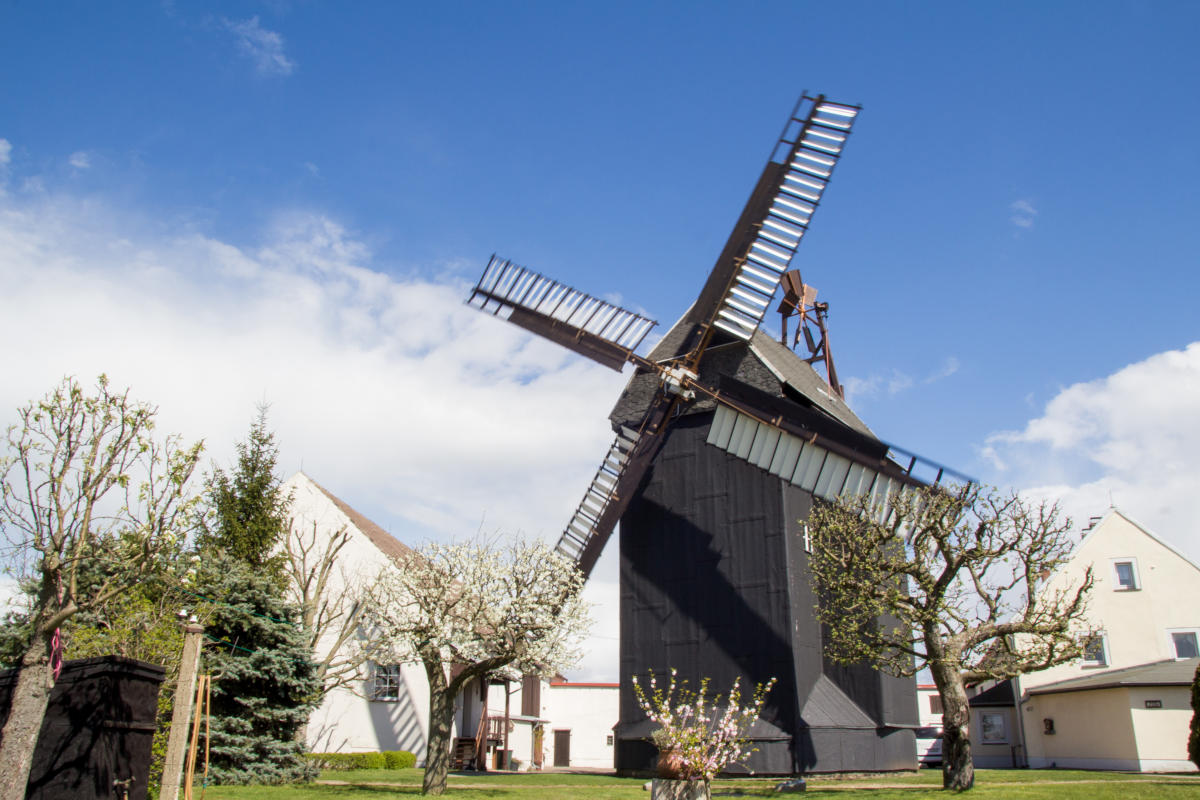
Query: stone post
[(181, 711)]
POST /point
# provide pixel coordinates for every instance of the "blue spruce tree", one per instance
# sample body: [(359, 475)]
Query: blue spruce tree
[(265, 683)]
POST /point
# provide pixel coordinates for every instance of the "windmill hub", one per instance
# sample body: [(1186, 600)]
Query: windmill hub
[(677, 381)]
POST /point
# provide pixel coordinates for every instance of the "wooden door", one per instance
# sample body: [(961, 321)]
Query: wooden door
[(562, 748)]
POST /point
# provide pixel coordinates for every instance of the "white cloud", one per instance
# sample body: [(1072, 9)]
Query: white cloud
[(1023, 213), (312, 168), (898, 382), (264, 47), (80, 160), (5, 152), (858, 389), (1131, 436), (894, 383), (423, 413), (948, 368)]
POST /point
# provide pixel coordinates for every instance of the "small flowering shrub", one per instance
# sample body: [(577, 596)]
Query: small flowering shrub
[(705, 736)]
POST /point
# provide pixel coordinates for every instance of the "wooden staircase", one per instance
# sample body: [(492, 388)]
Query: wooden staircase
[(464, 753)]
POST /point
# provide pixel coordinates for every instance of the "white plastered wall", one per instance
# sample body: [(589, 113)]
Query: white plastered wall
[(1162, 732), (1092, 730), (347, 721), (1112, 729), (925, 714), (589, 712)]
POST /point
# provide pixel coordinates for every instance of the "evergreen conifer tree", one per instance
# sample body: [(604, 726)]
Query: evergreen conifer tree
[(248, 509), (265, 682)]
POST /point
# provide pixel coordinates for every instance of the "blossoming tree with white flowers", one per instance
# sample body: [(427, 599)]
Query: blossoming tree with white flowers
[(702, 735), (480, 609)]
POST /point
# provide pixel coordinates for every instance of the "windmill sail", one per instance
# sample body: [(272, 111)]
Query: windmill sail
[(774, 222), (591, 327), (601, 507)]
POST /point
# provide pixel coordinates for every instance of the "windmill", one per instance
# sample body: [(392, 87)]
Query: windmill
[(724, 437)]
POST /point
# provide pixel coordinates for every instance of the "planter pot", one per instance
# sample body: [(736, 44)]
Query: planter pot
[(667, 789), (670, 765)]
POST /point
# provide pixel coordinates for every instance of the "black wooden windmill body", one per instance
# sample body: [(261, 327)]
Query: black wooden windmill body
[(724, 438)]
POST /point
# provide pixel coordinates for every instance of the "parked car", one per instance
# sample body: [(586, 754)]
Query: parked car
[(929, 746)]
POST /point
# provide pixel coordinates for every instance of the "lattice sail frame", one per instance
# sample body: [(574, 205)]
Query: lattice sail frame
[(812, 145), (580, 534), (591, 326)]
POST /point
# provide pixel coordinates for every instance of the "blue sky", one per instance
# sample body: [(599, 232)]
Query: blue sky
[(225, 203)]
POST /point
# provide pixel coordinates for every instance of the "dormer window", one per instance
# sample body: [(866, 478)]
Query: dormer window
[(1126, 575)]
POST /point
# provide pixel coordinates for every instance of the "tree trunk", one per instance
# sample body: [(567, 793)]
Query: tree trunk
[(30, 697), (958, 770), (441, 722)]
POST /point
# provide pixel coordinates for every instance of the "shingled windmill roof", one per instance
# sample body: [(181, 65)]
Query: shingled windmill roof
[(762, 363)]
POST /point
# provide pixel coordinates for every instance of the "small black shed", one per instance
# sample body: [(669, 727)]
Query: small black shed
[(98, 729)]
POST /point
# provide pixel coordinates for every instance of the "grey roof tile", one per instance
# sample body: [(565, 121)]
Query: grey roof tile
[(1173, 672)]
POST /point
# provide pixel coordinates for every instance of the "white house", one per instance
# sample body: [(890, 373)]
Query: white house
[(929, 706), (386, 706), (1122, 705), (583, 716), (549, 723)]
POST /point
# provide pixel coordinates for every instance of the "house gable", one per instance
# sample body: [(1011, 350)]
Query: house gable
[(370, 547), (1144, 590)]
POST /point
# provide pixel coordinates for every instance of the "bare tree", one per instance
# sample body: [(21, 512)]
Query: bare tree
[(92, 504), (479, 609), (951, 581), (331, 602)]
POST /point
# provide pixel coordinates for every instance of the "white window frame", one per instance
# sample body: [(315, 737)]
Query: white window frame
[(1104, 658), (383, 678), (1171, 640), (1003, 727), (1137, 575)]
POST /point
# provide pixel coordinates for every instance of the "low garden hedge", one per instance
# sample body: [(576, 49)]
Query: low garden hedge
[(390, 759)]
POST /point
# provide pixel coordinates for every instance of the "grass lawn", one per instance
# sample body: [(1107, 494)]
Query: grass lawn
[(1037, 784)]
